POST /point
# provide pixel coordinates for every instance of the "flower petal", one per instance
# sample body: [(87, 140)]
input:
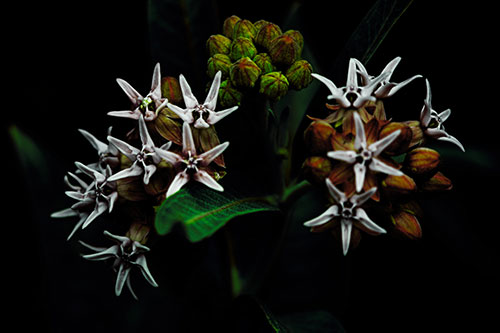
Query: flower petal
[(348, 156), (363, 218), (177, 183), (134, 114), (156, 83), (68, 212), (211, 100), (444, 115), (346, 228), (453, 140), (360, 140), (336, 194), (379, 146), (425, 114), (101, 147), (121, 278), (189, 99), (132, 94), (379, 166), (201, 123), (359, 175), (214, 117), (188, 145), (144, 134), (141, 261), (394, 87), (100, 208), (169, 156), (124, 147), (134, 171), (149, 170), (185, 115), (108, 253), (210, 155), (204, 178), (359, 199), (336, 93), (325, 217)]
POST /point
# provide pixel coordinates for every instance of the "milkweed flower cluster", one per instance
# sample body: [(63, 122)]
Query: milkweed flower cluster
[(365, 159)]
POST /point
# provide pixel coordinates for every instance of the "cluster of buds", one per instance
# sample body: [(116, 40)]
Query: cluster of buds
[(372, 166), (257, 55), (167, 147)]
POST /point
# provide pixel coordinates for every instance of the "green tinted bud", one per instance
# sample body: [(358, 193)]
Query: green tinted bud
[(284, 50), (244, 73), (228, 95), (218, 44), (266, 34), (297, 36), (242, 47), (228, 25), (171, 90), (259, 24), (218, 62), (263, 60), (274, 85), (244, 28), (299, 74)]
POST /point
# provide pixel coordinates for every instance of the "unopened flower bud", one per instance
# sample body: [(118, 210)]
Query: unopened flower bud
[(399, 184), (259, 24), (228, 95), (297, 36), (263, 60), (274, 85), (284, 50), (218, 62), (244, 28), (138, 232), (317, 168), (244, 73), (242, 47), (407, 224), (437, 182), (317, 137), (402, 141), (299, 74), (266, 34), (218, 44), (171, 90), (417, 133), (228, 25), (422, 160)]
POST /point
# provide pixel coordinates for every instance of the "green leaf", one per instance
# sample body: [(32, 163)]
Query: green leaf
[(202, 211)]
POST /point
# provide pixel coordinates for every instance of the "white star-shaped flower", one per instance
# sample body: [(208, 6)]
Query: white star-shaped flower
[(108, 153), (126, 254), (148, 106), (206, 112), (348, 211), (190, 165), (365, 156), (432, 122)]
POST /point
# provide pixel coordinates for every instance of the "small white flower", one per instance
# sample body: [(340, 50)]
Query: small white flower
[(432, 122), (126, 254), (190, 165), (366, 156), (352, 95), (144, 160), (386, 88), (349, 212), (206, 111), (108, 153), (148, 106)]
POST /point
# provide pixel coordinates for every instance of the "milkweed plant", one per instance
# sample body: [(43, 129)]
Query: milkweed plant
[(170, 168)]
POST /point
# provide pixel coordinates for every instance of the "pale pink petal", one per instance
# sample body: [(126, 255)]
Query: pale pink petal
[(204, 178), (214, 117), (211, 100), (378, 147), (360, 140), (132, 94), (336, 194), (188, 145), (348, 156), (379, 166), (177, 183), (210, 155), (189, 99), (363, 218), (359, 174), (325, 217), (346, 228)]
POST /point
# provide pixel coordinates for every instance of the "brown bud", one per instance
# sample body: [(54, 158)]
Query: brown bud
[(422, 160), (168, 127), (259, 24), (229, 24), (407, 224), (299, 74), (402, 142), (171, 90), (438, 182), (266, 34), (317, 168), (138, 232), (244, 28), (131, 189), (399, 184), (263, 60), (244, 73), (273, 85), (218, 44), (297, 36), (417, 137), (242, 47), (218, 62), (284, 50), (317, 137)]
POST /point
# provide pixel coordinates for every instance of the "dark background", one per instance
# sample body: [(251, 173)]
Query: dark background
[(62, 61)]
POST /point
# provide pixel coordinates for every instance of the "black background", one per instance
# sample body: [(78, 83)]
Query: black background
[(62, 61)]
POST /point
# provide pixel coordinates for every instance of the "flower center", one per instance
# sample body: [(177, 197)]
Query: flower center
[(364, 157), (191, 164), (146, 104), (347, 210)]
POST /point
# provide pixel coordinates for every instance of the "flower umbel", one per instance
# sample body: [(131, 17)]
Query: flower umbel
[(348, 211), (126, 254), (206, 111), (366, 155)]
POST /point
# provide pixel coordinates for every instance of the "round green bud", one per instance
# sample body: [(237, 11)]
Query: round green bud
[(259, 24), (299, 74), (244, 28), (274, 85), (171, 89), (263, 60), (218, 62), (228, 95), (297, 36), (228, 25), (242, 47), (284, 50), (218, 44), (266, 34), (244, 73)]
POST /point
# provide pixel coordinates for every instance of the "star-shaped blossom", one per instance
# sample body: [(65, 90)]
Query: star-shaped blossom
[(126, 254), (365, 156), (385, 88), (190, 165), (432, 122), (93, 199), (144, 160), (352, 95), (206, 112), (349, 212), (108, 153), (148, 106)]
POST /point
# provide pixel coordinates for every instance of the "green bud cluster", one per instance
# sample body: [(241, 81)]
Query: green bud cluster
[(257, 56)]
